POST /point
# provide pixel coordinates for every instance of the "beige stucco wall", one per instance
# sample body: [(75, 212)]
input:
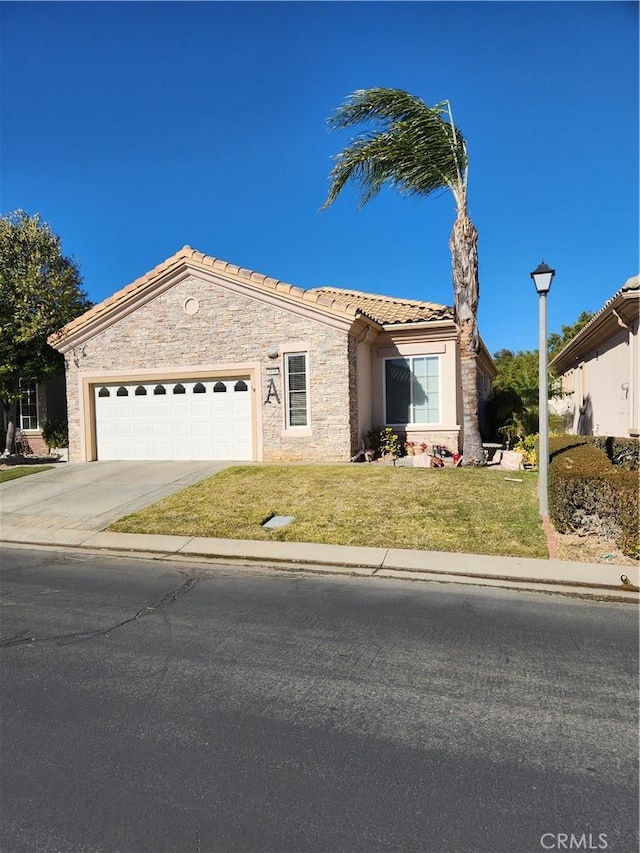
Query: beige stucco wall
[(601, 394), (364, 389), (229, 328), (447, 430)]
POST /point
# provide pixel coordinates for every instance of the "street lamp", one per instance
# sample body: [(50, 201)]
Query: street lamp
[(542, 277)]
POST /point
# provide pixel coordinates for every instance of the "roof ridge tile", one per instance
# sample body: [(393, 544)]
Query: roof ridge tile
[(378, 296)]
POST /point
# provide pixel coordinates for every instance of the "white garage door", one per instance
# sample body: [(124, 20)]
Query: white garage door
[(210, 419)]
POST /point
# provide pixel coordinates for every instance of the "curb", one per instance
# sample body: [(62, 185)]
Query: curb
[(517, 573)]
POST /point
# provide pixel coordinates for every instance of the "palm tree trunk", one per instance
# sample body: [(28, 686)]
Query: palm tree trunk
[(464, 259)]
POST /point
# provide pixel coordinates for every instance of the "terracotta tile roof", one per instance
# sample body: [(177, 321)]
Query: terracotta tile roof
[(333, 301), (387, 310)]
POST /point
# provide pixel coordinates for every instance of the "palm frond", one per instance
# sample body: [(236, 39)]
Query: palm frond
[(412, 147)]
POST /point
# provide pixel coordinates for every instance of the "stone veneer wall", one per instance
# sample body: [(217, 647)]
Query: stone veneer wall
[(230, 327), (447, 438)]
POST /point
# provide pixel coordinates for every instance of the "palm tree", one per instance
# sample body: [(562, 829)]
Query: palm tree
[(418, 150)]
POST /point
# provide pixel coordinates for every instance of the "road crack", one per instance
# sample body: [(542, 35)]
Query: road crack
[(24, 638)]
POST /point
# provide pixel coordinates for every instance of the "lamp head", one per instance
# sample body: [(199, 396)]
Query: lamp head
[(542, 277)]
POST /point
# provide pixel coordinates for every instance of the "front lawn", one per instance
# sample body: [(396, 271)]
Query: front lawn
[(480, 511), (12, 473)]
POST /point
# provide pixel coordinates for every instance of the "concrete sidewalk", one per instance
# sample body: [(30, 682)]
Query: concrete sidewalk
[(72, 505)]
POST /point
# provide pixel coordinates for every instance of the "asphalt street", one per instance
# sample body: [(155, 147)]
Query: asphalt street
[(186, 706)]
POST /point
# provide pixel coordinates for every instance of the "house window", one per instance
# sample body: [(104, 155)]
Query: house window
[(219, 388), (199, 388), (141, 391), (178, 389), (122, 392), (412, 390), (159, 390), (297, 396), (28, 405), (240, 386)]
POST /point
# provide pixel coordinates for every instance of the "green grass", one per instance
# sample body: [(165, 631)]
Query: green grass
[(22, 471), (452, 509)]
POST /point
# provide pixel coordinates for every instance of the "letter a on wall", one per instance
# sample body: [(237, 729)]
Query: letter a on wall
[(272, 391)]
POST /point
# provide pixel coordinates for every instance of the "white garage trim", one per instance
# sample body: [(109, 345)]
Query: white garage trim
[(178, 413)]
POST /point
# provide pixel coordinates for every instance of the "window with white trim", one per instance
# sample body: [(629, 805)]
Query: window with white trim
[(297, 389), (412, 390), (28, 405)]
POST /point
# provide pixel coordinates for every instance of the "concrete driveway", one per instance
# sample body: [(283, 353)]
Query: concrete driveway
[(74, 499)]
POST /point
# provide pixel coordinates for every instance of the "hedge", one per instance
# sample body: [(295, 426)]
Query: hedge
[(621, 452), (588, 494)]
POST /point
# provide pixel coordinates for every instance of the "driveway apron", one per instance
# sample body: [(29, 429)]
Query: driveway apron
[(90, 496)]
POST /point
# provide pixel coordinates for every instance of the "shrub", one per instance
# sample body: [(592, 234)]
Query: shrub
[(622, 452), (589, 496), (528, 446), (560, 443), (384, 440), (629, 508), (55, 432)]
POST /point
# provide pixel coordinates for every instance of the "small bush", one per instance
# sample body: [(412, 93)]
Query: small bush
[(528, 446), (384, 440), (55, 432), (588, 495)]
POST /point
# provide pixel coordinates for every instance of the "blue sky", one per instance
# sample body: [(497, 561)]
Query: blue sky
[(137, 128)]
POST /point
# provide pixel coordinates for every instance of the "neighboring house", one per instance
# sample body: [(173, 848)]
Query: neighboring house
[(600, 370), (200, 359), (38, 402)]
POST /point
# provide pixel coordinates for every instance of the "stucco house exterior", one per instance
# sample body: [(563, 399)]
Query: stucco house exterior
[(201, 359), (600, 370)]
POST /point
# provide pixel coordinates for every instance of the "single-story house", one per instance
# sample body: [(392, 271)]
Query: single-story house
[(600, 369), (201, 359), (37, 403)]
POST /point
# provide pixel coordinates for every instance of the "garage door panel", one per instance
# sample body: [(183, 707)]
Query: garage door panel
[(200, 429), (195, 424)]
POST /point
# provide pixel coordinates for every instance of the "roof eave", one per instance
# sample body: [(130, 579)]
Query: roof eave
[(417, 325), (623, 308)]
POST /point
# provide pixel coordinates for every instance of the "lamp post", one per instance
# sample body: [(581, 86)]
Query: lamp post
[(542, 277)]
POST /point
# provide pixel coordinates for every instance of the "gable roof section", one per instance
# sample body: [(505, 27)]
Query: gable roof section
[(188, 260), (623, 308), (387, 310), (328, 304)]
